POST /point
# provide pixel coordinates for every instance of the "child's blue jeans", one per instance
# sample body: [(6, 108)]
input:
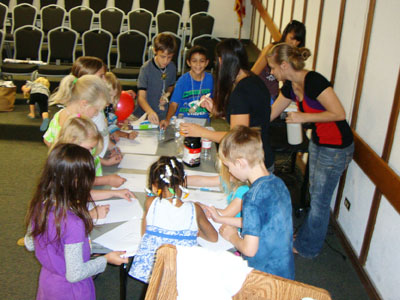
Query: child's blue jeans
[(326, 165)]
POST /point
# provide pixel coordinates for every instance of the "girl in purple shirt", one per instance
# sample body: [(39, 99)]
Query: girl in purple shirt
[(59, 223)]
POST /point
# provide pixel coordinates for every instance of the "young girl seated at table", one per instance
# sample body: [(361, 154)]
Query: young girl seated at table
[(58, 225), (84, 96), (83, 132), (232, 187), (168, 220), (114, 129)]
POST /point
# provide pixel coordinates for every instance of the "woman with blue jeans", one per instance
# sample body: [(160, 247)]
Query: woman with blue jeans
[(331, 147)]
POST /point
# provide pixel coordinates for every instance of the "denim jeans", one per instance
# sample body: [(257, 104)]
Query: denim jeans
[(326, 165)]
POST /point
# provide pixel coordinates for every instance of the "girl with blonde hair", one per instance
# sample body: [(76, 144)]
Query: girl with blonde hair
[(331, 146), (85, 96)]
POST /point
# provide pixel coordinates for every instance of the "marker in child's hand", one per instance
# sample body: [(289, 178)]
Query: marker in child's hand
[(196, 106), (203, 189), (117, 150)]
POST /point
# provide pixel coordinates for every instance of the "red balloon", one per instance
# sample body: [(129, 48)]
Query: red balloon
[(125, 106)]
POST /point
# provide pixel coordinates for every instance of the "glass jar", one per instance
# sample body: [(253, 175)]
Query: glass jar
[(192, 151)]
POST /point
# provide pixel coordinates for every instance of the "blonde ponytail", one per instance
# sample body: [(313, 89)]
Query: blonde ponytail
[(88, 87)]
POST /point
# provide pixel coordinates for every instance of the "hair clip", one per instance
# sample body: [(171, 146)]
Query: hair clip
[(75, 81), (78, 115), (185, 191), (172, 163), (166, 180), (159, 192), (149, 193), (171, 190), (168, 170)]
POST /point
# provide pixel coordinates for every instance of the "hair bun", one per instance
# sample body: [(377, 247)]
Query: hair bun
[(304, 53)]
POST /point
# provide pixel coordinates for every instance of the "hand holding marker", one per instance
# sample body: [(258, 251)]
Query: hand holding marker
[(196, 106)]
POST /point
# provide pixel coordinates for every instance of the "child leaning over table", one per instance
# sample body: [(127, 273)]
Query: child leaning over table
[(232, 187), (168, 220), (115, 93), (156, 80), (38, 92), (267, 231)]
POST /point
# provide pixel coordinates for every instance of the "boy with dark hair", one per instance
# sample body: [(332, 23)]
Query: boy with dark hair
[(191, 86), (266, 240), (156, 80)]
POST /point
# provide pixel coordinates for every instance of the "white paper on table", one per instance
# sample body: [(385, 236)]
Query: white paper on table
[(120, 210), (125, 237), (134, 182), (219, 201), (221, 244), (208, 198), (142, 144), (137, 162)]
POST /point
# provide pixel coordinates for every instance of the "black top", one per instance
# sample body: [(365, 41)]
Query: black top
[(328, 134), (251, 96)]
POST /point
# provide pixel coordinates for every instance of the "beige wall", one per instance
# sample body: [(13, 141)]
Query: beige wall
[(377, 94)]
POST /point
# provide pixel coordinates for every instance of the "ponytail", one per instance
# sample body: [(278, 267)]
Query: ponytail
[(88, 87)]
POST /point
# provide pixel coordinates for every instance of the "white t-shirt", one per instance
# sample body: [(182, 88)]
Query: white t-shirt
[(165, 215), (101, 124)]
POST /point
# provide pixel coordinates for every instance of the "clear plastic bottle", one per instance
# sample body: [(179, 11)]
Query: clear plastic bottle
[(179, 144), (161, 134), (205, 149), (178, 137)]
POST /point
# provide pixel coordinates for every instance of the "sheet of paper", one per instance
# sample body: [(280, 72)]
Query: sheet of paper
[(221, 244), (208, 198), (120, 210), (142, 144), (134, 182), (125, 237), (219, 201), (137, 162)]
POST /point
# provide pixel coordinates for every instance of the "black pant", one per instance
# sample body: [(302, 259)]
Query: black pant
[(41, 100)]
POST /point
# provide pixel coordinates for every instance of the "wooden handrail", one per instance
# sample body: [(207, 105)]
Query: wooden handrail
[(378, 171), (273, 29)]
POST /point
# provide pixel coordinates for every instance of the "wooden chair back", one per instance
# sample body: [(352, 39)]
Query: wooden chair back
[(258, 285)]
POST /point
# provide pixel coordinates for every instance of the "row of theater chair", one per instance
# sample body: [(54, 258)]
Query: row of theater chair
[(126, 5), (132, 50), (111, 19)]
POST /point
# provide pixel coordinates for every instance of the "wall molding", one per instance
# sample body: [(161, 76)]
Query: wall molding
[(338, 40), (376, 201), (318, 33), (303, 20)]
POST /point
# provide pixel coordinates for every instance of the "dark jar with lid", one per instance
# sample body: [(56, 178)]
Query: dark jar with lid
[(192, 151)]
